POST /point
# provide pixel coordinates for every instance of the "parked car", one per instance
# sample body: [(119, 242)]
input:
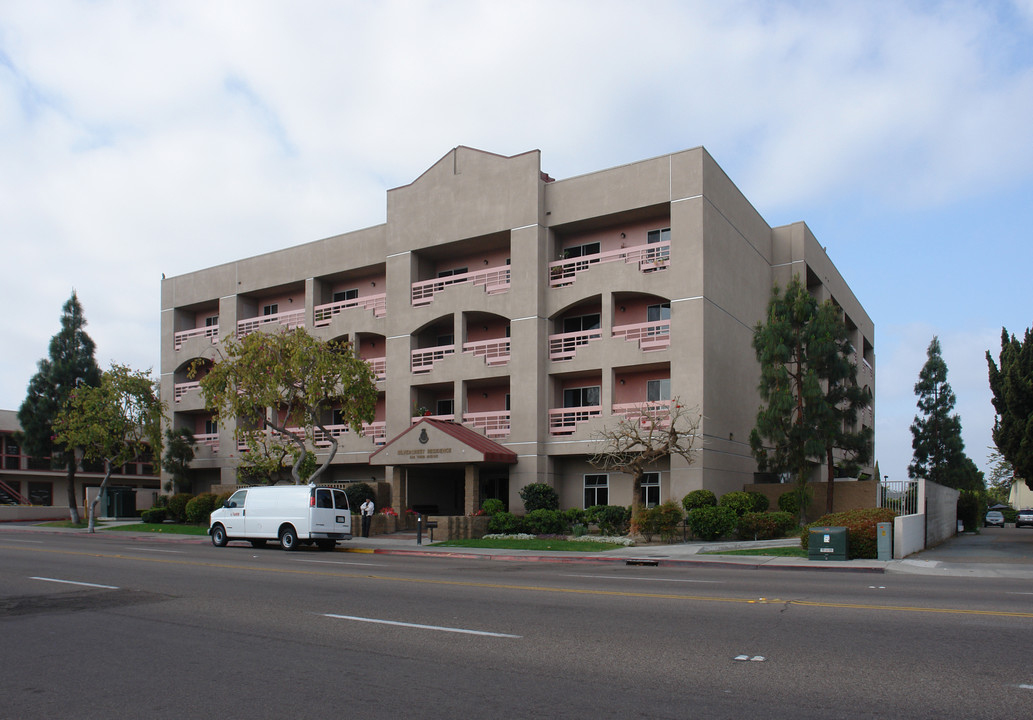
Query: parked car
[(994, 517), (1025, 517)]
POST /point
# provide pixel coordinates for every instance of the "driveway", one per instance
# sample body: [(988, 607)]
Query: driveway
[(1008, 545)]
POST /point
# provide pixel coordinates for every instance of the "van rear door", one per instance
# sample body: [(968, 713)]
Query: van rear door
[(330, 514)]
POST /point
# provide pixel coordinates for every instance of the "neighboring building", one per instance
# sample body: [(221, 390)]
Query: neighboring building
[(529, 311), (27, 480), (1020, 496)]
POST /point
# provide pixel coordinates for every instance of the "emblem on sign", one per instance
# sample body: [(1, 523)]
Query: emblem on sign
[(423, 436)]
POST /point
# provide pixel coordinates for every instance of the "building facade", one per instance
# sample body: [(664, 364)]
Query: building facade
[(533, 312)]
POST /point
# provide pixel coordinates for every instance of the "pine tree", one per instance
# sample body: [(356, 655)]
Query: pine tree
[(939, 451), (809, 386), (1012, 387), (70, 363)]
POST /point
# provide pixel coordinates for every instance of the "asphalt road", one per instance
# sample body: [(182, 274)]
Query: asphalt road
[(183, 630)]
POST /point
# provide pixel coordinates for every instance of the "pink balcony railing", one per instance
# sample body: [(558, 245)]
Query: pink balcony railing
[(650, 410), (649, 258), (494, 423), (564, 345), (181, 389), (379, 366), (564, 421), (211, 332), (650, 335), (423, 360), (446, 418), (290, 320), (376, 430), (494, 280), (209, 439), (494, 352), (325, 313)]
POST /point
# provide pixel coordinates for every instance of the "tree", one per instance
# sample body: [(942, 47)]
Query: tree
[(639, 440), (288, 383), (939, 451), (809, 387), (1011, 383), (114, 423), (999, 481), (179, 452), (70, 364)]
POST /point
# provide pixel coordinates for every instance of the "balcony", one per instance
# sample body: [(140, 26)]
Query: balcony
[(494, 352), (649, 258), (210, 331), (648, 412), (379, 366), (494, 280), (375, 430), (181, 389), (650, 335), (564, 421), (209, 439), (423, 360), (563, 346), (445, 418), (376, 303), (290, 320), (495, 424)]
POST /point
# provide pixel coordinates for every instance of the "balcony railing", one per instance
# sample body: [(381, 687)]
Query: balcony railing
[(209, 439), (564, 421), (650, 335), (210, 331), (494, 424), (423, 360), (325, 313), (375, 430), (494, 280), (379, 366), (494, 352), (649, 258), (658, 411), (289, 319), (446, 418), (181, 389), (564, 345)]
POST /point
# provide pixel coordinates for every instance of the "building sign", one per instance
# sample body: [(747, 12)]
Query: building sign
[(420, 454)]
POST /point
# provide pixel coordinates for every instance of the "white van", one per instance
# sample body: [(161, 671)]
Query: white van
[(290, 514)]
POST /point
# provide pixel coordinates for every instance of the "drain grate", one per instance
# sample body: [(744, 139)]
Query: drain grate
[(650, 563)]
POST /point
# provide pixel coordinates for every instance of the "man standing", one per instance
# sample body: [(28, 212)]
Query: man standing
[(367, 516)]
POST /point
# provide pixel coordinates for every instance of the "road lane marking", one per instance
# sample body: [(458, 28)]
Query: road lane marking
[(438, 628), (136, 549), (73, 582), (532, 588), (642, 579), (342, 562)]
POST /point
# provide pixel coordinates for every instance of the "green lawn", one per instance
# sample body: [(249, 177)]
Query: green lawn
[(771, 552), (164, 528), (69, 524), (555, 545)]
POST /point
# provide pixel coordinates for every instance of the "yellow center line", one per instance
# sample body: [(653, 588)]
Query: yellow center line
[(535, 588)]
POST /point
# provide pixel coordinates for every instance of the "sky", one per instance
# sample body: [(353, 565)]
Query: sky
[(142, 138)]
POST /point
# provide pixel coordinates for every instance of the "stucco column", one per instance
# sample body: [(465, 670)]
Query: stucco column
[(473, 490), (398, 500)]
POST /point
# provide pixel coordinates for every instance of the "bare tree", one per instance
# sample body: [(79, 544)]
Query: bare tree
[(645, 436)]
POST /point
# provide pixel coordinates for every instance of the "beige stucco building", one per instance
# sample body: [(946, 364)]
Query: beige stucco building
[(531, 311)]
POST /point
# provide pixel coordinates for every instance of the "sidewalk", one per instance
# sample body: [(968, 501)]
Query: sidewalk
[(963, 561)]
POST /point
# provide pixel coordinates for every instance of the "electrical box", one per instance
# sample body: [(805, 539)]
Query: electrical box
[(884, 540), (827, 543)]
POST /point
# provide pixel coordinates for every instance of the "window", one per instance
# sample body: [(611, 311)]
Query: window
[(597, 490), (446, 407), (340, 500), (271, 309), (449, 339), (656, 236), (324, 498), (651, 489), (581, 397), (236, 499), (576, 251), (211, 427), (342, 295), (507, 402), (581, 323), (450, 273), (211, 321), (657, 390), (656, 313)]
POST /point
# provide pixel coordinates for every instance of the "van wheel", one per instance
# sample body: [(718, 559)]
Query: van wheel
[(219, 538), (289, 538), (326, 545)]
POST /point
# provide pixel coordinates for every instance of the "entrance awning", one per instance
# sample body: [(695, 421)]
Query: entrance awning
[(430, 442)]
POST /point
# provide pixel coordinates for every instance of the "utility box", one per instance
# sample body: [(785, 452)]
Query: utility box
[(884, 540), (827, 543)]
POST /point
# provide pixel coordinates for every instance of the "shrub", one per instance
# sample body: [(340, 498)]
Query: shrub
[(668, 517), (710, 523), (539, 496), (178, 506), (154, 515), (969, 510), (199, 509), (646, 521), (574, 516), (505, 523), (860, 526), (739, 502), (359, 493), (699, 499), (789, 501), (765, 526), (611, 519), (491, 506), (544, 522), (760, 501)]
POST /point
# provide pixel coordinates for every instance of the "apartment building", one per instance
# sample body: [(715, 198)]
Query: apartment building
[(509, 317)]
